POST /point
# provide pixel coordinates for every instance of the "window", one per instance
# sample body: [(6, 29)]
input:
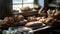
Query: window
[(55, 3), (41, 3), (17, 4)]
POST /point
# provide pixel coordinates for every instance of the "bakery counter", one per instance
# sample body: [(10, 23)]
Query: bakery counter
[(44, 29)]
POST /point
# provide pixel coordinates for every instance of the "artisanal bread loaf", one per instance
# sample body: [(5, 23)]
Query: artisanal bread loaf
[(33, 24)]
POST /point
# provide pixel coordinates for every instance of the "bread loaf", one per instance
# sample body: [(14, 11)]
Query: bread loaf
[(33, 24), (19, 18)]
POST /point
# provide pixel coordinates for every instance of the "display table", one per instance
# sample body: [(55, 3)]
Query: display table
[(24, 30)]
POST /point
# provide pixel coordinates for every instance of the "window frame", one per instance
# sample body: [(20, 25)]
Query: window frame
[(23, 3)]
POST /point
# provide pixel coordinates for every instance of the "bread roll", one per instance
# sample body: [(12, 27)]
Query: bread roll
[(11, 20), (50, 20), (38, 18), (40, 11), (25, 8), (19, 18), (1, 22), (57, 15), (49, 13), (31, 19), (43, 19), (6, 20)]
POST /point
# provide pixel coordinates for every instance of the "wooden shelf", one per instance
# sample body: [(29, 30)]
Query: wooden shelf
[(27, 13)]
